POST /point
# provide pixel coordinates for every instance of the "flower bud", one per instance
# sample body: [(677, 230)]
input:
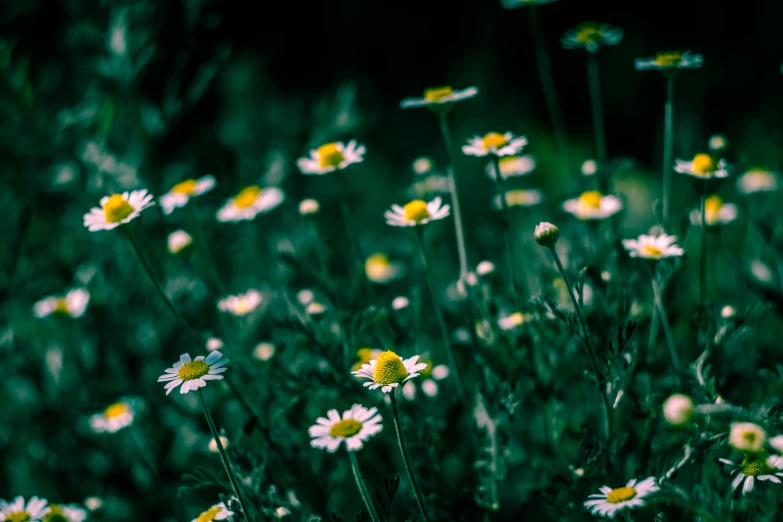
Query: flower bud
[(747, 437), (546, 234), (678, 409)]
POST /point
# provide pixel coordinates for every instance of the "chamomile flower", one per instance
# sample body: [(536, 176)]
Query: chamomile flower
[(512, 166), (429, 382), (593, 205), (364, 356), (631, 496), (116, 416), (591, 36), (16, 511), (519, 198), (416, 213), (355, 427), (758, 180), (678, 409), (178, 241), (668, 61), (513, 4), (389, 370), (380, 269), (250, 202), (511, 321), (308, 207), (703, 166), (331, 157), (716, 212), (496, 144), (431, 184), (194, 374), (747, 437), (241, 304), (718, 143), (216, 512), (65, 513), (653, 247), (441, 98), (180, 194), (117, 210), (753, 469), (73, 304)]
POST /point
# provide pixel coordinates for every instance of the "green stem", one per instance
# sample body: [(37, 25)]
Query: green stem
[(461, 250), (665, 322), (703, 250), (510, 257), (668, 150), (594, 85), (406, 459), (362, 487)]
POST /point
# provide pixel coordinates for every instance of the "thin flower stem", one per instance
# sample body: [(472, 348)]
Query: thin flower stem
[(406, 459), (665, 321), (461, 250), (668, 150), (226, 463), (594, 85), (703, 250), (510, 257), (362, 487)]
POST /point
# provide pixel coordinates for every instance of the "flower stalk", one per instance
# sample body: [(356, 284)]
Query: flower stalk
[(594, 86), (357, 475), (461, 250), (510, 256), (406, 458)]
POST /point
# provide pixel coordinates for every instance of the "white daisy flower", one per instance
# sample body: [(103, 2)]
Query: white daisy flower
[(703, 166), (593, 205), (178, 241), (331, 157), (355, 427), (631, 496), (758, 180), (216, 512), (308, 207), (511, 321), (751, 470), (416, 213), (716, 212), (117, 210), (35, 509), (250, 202), (73, 304), (512, 166), (519, 198), (180, 194), (116, 416), (194, 373), (668, 61), (439, 98), (747, 437), (495, 143), (653, 247), (380, 269), (389, 370), (241, 304), (591, 36), (513, 4), (65, 513)]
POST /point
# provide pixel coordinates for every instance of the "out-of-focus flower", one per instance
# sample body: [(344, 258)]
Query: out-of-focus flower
[(485, 268), (513, 320), (14, 511), (727, 312), (216, 512), (716, 212), (213, 343), (73, 304), (64, 513), (761, 271), (546, 234), (305, 297), (380, 269), (117, 210), (429, 385), (116, 416), (758, 180), (178, 241), (589, 167), (264, 351), (389, 370), (653, 247), (512, 166), (282, 512), (513, 4), (308, 207), (753, 469), (519, 198), (241, 304), (331, 157), (669, 61), (611, 501), (315, 308), (193, 374), (592, 205), (747, 437), (776, 443), (439, 98), (213, 447), (432, 184), (591, 36), (422, 165), (416, 213), (703, 166), (250, 202), (400, 302), (180, 194), (678, 409), (364, 356), (718, 143), (495, 143), (355, 427), (93, 503)]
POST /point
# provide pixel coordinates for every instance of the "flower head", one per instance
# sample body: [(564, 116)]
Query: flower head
[(116, 416), (703, 166), (389, 370), (519, 198), (747, 437), (216, 512), (180, 194), (73, 304), (194, 374), (496, 144), (758, 180), (17, 511), (178, 241), (669, 61), (593, 205), (117, 210), (611, 501), (250, 202), (546, 234), (331, 157), (755, 468), (653, 247), (416, 213), (591, 36), (513, 320), (308, 207), (439, 98), (380, 269), (512, 166), (716, 212), (65, 513), (364, 356), (718, 143), (678, 409), (355, 427), (241, 304)]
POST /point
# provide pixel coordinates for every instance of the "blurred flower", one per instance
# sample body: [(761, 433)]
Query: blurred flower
[(93, 503), (400, 302), (264, 351), (213, 447), (364, 356), (250, 202), (611, 501), (354, 427), (519, 198), (513, 4), (760, 271), (429, 386), (194, 373), (315, 308), (546, 234), (178, 241), (305, 297), (512, 166), (116, 416), (593, 205), (388, 370), (589, 167), (216, 512), (380, 269), (241, 304), (282, 512), (718, 142), (422, 165), (727, 312), (757, 180), (752, 469), (703, 166), (653, 247), (591, 36), (16, 511), (496, 144), (331, 157), (63, 513), (73, 304), (747, 437), (776, 443), (678, 409), (716, 212), (180, 194), (309, 206), (485, 268), (668, 61), (513, 320), (441, 98), (432, 184), (117, 210), (213, 343), (416, 213)]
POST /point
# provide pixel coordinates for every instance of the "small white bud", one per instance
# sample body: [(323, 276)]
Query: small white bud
[(309, 206), (546, 234), (678, 409)]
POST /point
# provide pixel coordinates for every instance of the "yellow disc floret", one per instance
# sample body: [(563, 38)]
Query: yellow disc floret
[(519, 197), (187, 187), (193, 370), (670, 59), (590, 199), (756, 467), (389, 369), (117, 208), (620, 495), (588, 32), (416, 211), (115, 410), (494, 141), (209, 515), (651, 251), (60, 307), (704, 164), (330, 155), (247, 197), (345, 428), (437, 94), (18, 516), (55, 514)]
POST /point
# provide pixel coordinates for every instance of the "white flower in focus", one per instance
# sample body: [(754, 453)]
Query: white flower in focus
[(439, 98), (250, 202), (591, 36), (668, 61), (355, 427), (593, 205), (213, 447), (716, 212), (180, 194), (653, 247), (496, 144), (17, 511), (178, 241), (308, 207), (193, 374), (519, 198), (73, 304), (380, 269), (400, 302), (331, 157), (64, 513), (485, 268), (264, 351), (753, 469), (389, 370), (703, 166), (241, 304), (747, 437), (117, 210), (213, 343), (611, 501), (678, 409), (512, 166), (718, 142), (758, 180), (416, 213), (216, 512), (116, 416)]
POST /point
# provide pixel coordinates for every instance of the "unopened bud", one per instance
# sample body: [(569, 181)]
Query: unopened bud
[(546, 234)]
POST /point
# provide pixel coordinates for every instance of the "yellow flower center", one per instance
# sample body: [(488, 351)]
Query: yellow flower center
[(519, 197), (651, 251), (588, 32), (115, 410), (186, 187), (18, 516), (117, 208), (247, 197), (416, 211), (55, 514), (329, 155), (436, 94), (389, 369), (620, 495), (754, 468), (61, 307), (242, 307), (704, 164), (494, 140), (209, 515), (516, 318), (590, 199), (364, 355), (345, 428), (378, 259), (713, 204), (193, 370), (377, 266), (668, 59)]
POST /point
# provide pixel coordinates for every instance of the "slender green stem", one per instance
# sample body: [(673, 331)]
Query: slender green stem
[(665, 321), (461, 250), (362, 487), (510, 257), (223, 456), (703, 250), (668, 150), (406, 459), (594, 85)]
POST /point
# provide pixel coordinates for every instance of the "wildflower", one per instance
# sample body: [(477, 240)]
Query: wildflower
[(653, 247), (305, 296), (519, 198), (591, 36), (213, 447), (178, 241), (364, 356), (400, 302), (512, 166), (282, 512), (315, 308), (747, 437), (546, 234), (440, 98), (194, 373), (727, 312), (388, 370), (241, 304), (703, 166), (250, 202), (422, 165), (416, 213), (213, 343), (216, 512), (117, 210), (669, 61), (264, 351), (331, 157), (611, 501), (496, 144), (17, 511), (752, 469), (718, 142), (64, 513), (180, 194), (589, 167), (429, 384), (757, 180), (73, 304), (593, 205), (511, 321), (354, 427), (432, 184), (116, 416), (485, 268), (776, 443), (678, 409), (380, 269), (513, 4), (93, 503), (716, 212), (308, 207)]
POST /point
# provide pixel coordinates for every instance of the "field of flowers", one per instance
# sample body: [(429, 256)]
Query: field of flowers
[(227, 298)]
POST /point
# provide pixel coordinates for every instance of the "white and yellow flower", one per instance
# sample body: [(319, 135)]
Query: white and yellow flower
[(519, 198), (250, 202), (389, 370), (416, 213), (178, 241), (117, 210), (73, 304), (308, 207), (495, 143), (216, 512), (116, 416), (432, 184), (429, 383), (355, 427), (380, 269), (511, 321), (593, 205), (241, 304), (439, 97), (16, 511), (747, 437), (591, 36), (753, 469), (64, 513), (668, 61), (513, 4), (512, 166), (703, 166), (653, 247), (631, 496), (331, 157), (758, 180), (194, 374), (716, 212), (180, 194)]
